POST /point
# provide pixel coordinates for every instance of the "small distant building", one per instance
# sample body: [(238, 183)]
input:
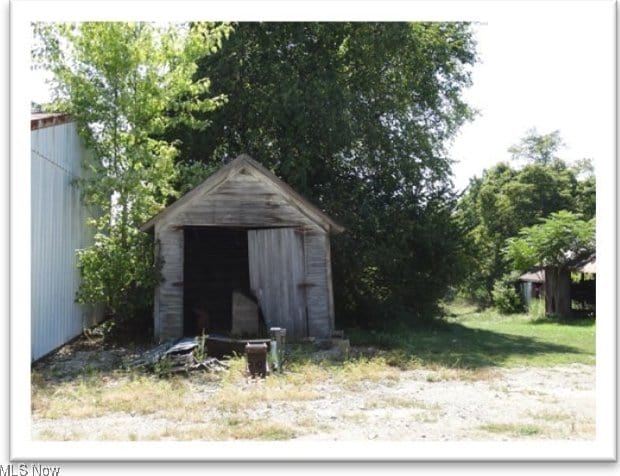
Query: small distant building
[(58, 230), (243, 235), (531, 285), (560, 291)]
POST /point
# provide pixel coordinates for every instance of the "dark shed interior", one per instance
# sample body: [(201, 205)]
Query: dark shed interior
[(215, 265)]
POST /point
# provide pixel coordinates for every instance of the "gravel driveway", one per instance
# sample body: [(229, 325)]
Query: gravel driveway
[(550, 403), (495, 404)]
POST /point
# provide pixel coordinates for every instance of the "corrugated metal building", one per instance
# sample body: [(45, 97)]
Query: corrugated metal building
[(245, 231), (59, 228)]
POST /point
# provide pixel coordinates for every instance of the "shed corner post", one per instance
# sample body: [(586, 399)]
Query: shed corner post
[(168, 305)]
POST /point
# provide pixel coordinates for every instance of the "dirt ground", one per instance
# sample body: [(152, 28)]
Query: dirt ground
[(553, 403), (422, 404)]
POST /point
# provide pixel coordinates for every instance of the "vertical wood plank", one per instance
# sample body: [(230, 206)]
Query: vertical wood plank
[(276, 272), (331, 313)]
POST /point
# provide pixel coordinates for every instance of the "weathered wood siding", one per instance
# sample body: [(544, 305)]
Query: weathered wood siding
[(168, 307), (241, 200), (290, 274), (317, 284), (276, 277)]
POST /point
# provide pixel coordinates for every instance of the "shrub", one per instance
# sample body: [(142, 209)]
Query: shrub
[(506, 297), (121, 276)]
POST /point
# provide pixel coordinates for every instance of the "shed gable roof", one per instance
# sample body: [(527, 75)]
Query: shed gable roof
[(223, 186), (536, 275)]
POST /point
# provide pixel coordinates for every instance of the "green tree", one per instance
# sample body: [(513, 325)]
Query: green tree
[(504, 200), (537, 148), (125, 84), (356, 117)]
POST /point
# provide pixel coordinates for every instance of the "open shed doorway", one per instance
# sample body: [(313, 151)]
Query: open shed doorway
[(215, 265)]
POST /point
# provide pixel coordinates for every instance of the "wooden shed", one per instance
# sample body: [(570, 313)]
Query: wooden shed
[(240, 235)]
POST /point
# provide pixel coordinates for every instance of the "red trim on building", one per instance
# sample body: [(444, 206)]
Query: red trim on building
[(39, 120)]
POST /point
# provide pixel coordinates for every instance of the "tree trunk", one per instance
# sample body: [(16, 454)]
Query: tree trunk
[(557, 291)]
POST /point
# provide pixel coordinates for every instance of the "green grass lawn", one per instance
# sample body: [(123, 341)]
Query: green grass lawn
[(469, 339)]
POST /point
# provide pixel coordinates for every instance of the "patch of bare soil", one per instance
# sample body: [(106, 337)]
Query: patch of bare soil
[(83, 355), (424, 404)]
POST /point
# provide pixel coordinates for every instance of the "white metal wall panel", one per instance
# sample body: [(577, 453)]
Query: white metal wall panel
[(58, 229)]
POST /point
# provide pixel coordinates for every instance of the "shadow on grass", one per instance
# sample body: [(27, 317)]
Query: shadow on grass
[(457, 346)]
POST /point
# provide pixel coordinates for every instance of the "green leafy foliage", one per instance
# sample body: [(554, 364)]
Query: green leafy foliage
[(356, 117), (118, 276), (124, 84), (557, 240), (190, 174)]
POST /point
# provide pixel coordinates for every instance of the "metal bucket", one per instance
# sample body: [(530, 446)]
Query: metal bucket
[(256, 356)]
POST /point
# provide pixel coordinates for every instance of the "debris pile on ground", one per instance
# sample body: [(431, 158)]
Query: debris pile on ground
[(184, 355)]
